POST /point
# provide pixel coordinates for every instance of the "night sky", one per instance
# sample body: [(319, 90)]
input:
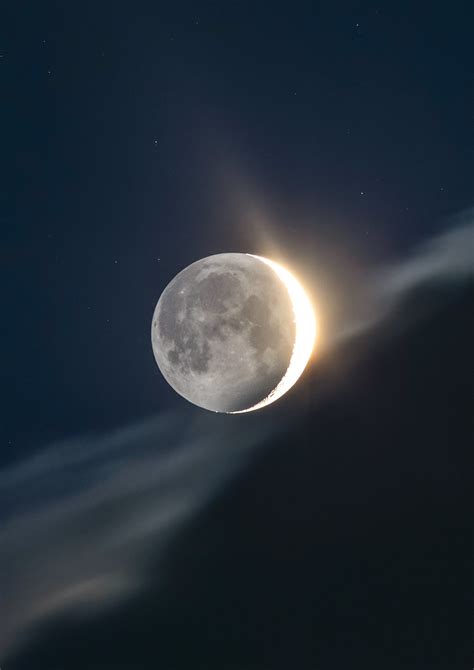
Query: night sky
[(333, 529)]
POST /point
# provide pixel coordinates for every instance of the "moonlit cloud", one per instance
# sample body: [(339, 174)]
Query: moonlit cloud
[(447, 257), (78, 519)]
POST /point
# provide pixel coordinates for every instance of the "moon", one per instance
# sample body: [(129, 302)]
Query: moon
[(233, 332)]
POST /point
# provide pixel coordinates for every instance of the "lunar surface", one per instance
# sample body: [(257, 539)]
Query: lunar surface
[(232, 332)]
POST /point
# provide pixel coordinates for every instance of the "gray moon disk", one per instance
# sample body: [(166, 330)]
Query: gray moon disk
[(223, 332)]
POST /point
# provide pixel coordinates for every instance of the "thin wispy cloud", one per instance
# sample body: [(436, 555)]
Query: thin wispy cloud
[(448, 256), (444, 258), (79, 519)]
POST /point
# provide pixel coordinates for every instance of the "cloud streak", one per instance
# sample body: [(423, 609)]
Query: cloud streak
[(448, 257), (79, 520)]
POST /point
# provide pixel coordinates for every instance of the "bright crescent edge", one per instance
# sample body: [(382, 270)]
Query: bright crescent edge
[(305, 336)]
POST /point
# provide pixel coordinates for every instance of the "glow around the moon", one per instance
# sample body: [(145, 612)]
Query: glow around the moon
[(306, 330)]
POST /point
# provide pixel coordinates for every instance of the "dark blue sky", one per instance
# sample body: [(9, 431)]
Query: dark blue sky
[(142, 136), (332, 529)]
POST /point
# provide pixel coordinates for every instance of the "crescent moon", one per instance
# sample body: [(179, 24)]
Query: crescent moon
[(305, 337)]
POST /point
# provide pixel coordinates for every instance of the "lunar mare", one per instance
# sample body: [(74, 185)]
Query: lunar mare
[(232, 332)]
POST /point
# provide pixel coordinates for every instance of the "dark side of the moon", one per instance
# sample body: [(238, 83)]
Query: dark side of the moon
[(223, 332)]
